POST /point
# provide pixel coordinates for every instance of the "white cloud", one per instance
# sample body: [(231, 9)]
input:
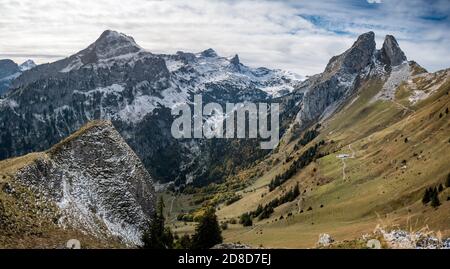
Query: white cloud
[(264, 33)]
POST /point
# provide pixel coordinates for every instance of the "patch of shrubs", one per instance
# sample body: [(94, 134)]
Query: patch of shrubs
[(308, 136), (264, 212), (246, 220), (185, 217), (431, 195), (224, 226), (233, 199)]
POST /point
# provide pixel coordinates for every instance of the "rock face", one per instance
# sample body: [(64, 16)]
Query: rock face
[(355, 59), (391, 54), (97, 181), (232, 246), (422, 239), (325, 240), (325, 92)]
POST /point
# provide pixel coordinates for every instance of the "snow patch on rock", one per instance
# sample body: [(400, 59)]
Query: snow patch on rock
[(399, 74), (98, 183)]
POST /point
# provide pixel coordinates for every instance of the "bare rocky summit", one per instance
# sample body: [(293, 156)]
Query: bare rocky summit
[(325, 92), (391, 52)]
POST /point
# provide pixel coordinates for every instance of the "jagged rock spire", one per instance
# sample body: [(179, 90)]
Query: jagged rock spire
[(355, 58), (235, 60), (391, 54), (235, 63), (360, 54)]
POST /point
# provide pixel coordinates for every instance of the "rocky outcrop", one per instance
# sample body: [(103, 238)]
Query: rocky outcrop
[(235, 63), (390, 53), (97, 181), (325, 92), (422, 239), (232, 246), (355, 59), (325, 240)]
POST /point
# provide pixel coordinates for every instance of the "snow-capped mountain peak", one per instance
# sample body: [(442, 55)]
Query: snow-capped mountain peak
[(110, 48), (27, 65), (113, 44)]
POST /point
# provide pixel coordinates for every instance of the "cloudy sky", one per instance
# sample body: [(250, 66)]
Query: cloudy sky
[(299, 36)]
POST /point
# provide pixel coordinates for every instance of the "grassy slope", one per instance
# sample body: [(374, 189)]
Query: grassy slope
[(376, 189)]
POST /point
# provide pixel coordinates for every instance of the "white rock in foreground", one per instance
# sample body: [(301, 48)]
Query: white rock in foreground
[(97, 181)]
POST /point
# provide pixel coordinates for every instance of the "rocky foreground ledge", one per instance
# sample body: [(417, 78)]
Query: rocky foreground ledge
[(96, 182), (391, 239)]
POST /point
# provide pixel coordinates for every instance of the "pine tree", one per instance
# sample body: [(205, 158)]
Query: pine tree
[(435, 199), (207, 233), (267, 211), (427, 196), (157, 236), (296, 191), (257, 212), (246, 219), (185, 242)]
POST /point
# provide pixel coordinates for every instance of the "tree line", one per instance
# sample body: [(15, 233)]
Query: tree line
[(310, 155), (264, 212), (158, 236), (431, 194)]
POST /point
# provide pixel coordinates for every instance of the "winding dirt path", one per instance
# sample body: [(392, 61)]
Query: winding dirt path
[(344, 164)]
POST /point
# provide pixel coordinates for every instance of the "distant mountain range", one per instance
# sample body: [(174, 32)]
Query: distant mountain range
[(116, 79)]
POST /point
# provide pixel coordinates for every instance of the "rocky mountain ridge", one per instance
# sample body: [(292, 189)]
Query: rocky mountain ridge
[(344, 73), (97, 182), (117, 80)]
